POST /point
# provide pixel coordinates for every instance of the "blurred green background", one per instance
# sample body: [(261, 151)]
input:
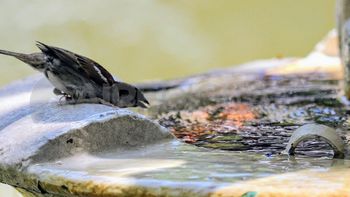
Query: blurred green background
[(163, 39)]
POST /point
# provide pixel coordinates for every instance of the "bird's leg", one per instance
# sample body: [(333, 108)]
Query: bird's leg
[(60, 100), (73, 99), (76, 98), (58, 92), (62, 94)]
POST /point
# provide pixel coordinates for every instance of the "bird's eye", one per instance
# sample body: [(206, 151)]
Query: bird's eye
[(50, 59), (123, 93)]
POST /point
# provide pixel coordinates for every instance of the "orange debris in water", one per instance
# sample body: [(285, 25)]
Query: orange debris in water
[(221, 118), (237, 113)]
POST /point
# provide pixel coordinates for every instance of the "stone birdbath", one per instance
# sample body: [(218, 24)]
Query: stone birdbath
[(214, 134)]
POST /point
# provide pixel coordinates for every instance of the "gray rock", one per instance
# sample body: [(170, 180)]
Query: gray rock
[(36, 127)]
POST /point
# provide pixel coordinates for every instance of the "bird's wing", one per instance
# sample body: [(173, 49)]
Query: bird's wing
[(92, 69)]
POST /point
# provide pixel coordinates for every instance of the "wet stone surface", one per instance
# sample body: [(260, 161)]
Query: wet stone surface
[(259, 113)]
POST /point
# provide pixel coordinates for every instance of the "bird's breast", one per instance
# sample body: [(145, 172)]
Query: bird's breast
[(57, 82)]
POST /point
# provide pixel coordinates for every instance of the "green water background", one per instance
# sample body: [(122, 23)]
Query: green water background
[(163, 39)]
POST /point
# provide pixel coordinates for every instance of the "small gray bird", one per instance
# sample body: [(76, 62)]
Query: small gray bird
[(80, 79)]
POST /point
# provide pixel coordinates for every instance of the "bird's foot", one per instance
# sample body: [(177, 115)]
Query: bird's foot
[(58, 92), (66, 97)]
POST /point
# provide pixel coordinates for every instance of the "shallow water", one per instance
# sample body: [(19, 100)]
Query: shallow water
[(179, 163)]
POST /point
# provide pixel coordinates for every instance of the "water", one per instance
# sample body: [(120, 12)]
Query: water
[(176, 164)]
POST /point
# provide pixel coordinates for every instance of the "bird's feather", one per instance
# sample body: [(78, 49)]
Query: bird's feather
[(92, 69)]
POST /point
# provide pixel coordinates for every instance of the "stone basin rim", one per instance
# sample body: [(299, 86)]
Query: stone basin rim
[(105, 127)]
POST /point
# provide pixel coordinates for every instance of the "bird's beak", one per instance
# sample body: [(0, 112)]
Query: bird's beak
[(143, 104), (142, 101)]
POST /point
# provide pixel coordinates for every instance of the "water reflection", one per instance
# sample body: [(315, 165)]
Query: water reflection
[(176, 161)]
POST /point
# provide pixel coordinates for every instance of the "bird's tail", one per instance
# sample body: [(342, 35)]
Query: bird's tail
[(34, 60), (21, 56), (10, 53)]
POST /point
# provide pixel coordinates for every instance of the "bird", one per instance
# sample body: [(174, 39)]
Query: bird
[(80, 79)]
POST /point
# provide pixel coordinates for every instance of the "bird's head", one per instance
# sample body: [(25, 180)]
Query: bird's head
[(130, 96)]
